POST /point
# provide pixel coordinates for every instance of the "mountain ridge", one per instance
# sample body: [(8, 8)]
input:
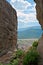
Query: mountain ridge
[(33, 27)]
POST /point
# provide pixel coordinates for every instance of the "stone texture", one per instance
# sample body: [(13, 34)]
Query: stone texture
[(40, 50), (39, 11), (8, 28)]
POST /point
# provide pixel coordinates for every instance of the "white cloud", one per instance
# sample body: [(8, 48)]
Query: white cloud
[(21, 6), (13, 1), (31, 17)]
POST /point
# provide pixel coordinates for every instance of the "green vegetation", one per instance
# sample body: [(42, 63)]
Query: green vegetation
[(19, 53), (16, 57), (14, 62), (1, 64), (32, 56), (35, 44)]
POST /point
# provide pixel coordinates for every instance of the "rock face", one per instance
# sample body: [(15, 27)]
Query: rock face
[(39, 11), (40, 50), (8, 28)]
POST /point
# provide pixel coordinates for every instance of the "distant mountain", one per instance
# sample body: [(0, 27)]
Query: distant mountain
[(34, 27), (31, 32)]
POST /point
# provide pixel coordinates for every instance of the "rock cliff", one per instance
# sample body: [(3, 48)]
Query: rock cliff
[(39, 11), (8, 29), (40, 50)]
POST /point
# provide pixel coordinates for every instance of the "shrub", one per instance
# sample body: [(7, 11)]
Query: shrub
[(16, 57), (31, 57), (1, 64), (35, 44), (14, 62), (19, 53)]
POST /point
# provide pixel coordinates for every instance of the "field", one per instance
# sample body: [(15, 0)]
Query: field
[(25, 43)]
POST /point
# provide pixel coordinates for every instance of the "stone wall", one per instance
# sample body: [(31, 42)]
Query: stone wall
[(8, 28)]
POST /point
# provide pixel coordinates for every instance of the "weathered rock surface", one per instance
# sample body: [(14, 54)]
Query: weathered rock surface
[(40, 50), (8, 28), (39, 11)]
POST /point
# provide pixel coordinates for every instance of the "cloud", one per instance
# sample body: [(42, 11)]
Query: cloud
[(26, 11), (20, 4), (13, 1), (30, 17)]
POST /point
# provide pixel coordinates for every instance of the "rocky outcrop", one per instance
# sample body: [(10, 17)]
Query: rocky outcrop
[(39, 11), (40, 50), (8, 29)]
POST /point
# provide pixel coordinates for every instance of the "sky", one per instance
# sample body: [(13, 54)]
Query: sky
[(26, 12)]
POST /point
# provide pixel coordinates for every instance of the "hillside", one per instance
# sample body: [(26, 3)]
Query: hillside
[(31, 32)]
